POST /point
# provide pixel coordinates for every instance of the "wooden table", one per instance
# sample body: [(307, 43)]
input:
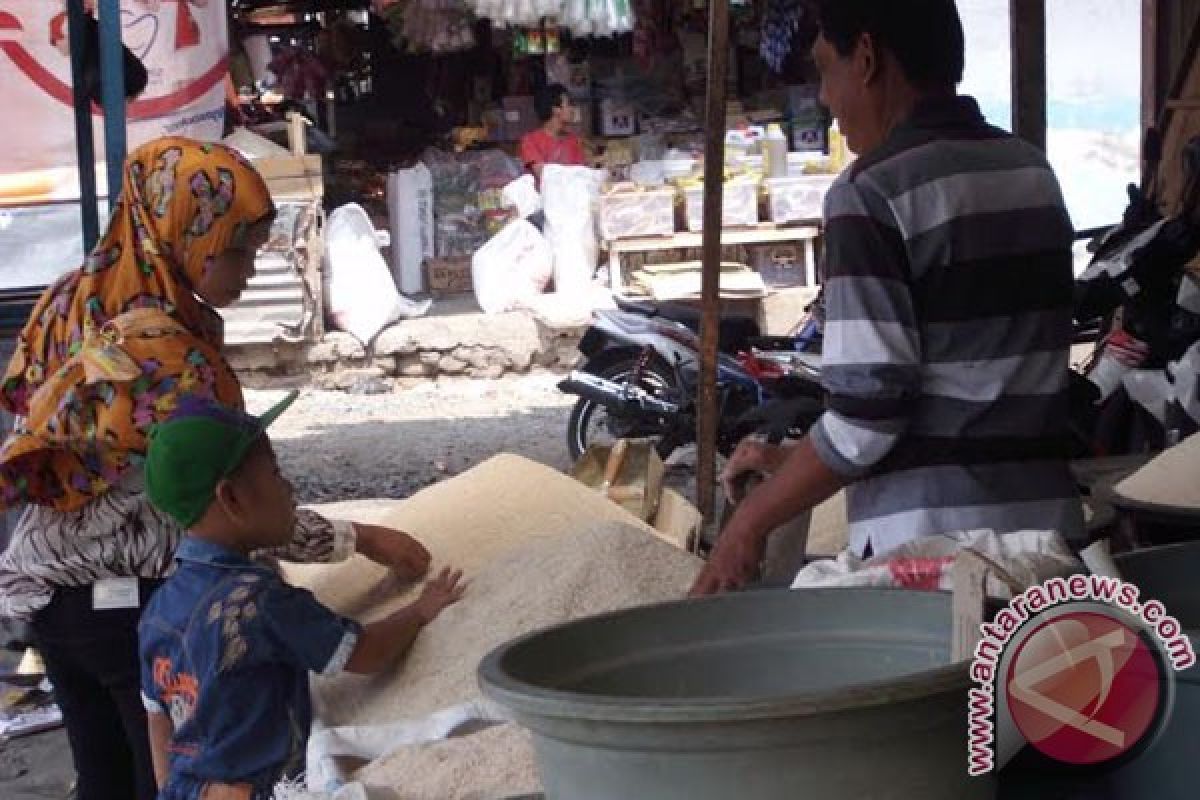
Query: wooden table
[(766, 233)]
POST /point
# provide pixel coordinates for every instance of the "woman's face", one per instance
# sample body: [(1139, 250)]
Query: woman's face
[(230, 271)]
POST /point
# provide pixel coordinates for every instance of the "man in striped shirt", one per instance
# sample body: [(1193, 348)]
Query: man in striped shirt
[(948, 309)]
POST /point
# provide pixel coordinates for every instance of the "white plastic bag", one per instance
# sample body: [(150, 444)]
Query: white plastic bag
[(569, 198), (363, 299), (1028, 557), (515, 265), (370, 742), (523, 194)]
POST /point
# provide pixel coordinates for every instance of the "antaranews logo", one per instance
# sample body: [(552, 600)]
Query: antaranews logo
[(1080, 668)]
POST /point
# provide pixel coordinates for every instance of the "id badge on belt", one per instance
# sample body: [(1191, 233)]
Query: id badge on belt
[(114, 593)]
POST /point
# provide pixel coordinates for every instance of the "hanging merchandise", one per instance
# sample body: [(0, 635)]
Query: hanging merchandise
[(553, 40), (430, 26), (781, 20), (580, 17), (654, 28), (301, 74), (535, 42)]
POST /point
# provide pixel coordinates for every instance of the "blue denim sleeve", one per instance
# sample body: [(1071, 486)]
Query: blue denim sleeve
[(149, 649), (304, 632)]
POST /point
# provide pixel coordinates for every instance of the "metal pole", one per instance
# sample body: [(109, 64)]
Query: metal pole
[(85, 146), (1028, 31), (714, 179), (112, 77)]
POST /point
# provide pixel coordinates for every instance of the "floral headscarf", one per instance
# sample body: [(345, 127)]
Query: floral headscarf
[(110, 347)]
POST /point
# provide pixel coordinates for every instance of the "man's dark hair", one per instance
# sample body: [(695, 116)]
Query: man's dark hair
[(548, 99), (925, 36)]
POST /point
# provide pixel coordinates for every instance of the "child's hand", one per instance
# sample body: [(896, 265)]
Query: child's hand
[(444, 590)]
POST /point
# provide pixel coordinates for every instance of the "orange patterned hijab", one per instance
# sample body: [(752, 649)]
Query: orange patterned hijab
[(89, 376)]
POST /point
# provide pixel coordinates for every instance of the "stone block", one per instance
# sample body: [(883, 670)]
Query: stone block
[(451, 366)]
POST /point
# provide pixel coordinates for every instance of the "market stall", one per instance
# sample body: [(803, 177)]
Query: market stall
[(423, 105)]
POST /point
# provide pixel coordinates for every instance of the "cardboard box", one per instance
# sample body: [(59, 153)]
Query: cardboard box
[(739, 205), (448, 275), (520, 116), (617, 118), (632, 213), (797, 198), (780, 264), (780, 311)]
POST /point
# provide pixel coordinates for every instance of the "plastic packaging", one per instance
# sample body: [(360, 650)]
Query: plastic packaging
[(838, 154), (775, 152)]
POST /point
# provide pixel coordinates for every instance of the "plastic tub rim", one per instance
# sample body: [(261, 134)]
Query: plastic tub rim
[(526, 698)]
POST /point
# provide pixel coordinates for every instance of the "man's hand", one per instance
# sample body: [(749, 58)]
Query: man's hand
[(751, 455), (733, 563), (393, 549), (443, 591)]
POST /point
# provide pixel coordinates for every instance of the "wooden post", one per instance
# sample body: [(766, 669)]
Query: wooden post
[(1027, 19), (714, 180), (1151, 62)]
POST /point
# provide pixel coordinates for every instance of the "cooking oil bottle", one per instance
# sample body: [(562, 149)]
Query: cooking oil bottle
[(838, 155)]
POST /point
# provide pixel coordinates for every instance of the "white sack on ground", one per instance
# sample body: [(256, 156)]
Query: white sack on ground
[(569, 198), (514, 267), (363, 299), (523, 195)]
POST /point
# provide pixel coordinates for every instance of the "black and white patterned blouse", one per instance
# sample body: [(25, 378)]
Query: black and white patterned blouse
[(121, 535)]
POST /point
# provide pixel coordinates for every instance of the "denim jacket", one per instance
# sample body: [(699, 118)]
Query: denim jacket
[(226, 648)]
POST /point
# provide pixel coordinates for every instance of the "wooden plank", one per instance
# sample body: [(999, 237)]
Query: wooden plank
[(714, 184), (1152, 53), (729, 236), (1028, 30)]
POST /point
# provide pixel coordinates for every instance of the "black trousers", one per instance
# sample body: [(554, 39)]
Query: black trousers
[(92, 660)]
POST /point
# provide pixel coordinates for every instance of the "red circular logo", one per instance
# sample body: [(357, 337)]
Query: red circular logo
[(1086, 688)]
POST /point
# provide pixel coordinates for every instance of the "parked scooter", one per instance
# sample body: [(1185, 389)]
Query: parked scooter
[(640, 379)]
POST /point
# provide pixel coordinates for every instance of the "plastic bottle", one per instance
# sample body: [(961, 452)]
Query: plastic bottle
[(775, 152), (837, 148)]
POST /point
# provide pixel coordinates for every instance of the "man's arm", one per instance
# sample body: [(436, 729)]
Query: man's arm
[(161, 730), (802, 482), (871, 369)]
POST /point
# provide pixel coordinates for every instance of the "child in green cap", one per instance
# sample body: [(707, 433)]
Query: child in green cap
[(226, 645)]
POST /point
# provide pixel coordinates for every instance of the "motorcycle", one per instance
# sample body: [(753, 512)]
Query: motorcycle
[(640, 379), (1136, 295)]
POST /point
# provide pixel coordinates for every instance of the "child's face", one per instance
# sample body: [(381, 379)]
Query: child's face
[(266, 507)]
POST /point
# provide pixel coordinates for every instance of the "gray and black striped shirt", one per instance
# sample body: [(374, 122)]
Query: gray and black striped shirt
[(948, 323)]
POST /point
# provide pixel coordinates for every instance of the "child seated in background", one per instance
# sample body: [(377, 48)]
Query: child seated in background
[(226, 644)]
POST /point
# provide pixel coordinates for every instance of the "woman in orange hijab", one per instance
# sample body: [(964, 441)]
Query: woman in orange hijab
[(108, 351)]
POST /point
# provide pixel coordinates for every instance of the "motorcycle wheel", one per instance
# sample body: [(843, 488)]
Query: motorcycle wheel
[(592, 423)]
